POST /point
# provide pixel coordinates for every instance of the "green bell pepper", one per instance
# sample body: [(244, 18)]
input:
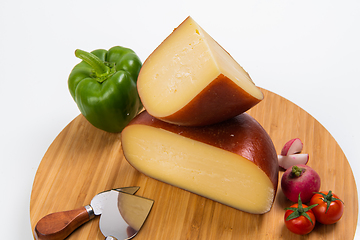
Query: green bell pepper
[(103, 86)]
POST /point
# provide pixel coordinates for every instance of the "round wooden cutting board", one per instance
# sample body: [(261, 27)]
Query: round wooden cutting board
[(83, 161)]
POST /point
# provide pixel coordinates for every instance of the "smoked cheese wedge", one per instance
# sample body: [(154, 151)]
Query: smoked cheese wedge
[(190, 80)]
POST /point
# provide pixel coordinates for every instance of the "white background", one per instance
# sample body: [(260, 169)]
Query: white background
[(306, 51)]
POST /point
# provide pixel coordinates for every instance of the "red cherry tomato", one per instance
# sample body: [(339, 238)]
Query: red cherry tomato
[(300, 225), (329, 209)]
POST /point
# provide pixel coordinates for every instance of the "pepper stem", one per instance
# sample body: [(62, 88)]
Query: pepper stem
[(100, 69)]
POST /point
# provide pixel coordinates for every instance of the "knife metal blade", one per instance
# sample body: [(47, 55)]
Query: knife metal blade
[(123, 215), (97, 203), (59, 225)]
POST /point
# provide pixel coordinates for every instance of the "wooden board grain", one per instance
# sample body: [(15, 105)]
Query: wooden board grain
[(83, 161)]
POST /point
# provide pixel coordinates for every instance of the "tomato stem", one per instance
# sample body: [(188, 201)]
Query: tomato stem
[(300, 211), (328, 198)]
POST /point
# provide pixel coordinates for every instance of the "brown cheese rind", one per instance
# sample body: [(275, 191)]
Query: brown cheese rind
[(219, 101)]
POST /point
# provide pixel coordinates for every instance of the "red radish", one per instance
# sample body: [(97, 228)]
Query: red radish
[(300, 179), (291, 147), (293, 159)]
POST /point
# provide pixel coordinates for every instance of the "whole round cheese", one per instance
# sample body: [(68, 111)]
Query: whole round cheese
[(233, 162)]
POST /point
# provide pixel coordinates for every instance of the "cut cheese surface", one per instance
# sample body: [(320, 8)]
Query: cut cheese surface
[(183, 68), (213, 172), (200, 168)]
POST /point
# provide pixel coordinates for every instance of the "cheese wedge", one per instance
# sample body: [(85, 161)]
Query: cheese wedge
[(233, 162), (191, 80)]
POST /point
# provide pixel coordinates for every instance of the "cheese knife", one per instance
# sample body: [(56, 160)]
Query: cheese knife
[(122, 214)]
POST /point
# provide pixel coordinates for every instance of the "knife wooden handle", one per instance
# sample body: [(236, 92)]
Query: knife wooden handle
[(59, 225)]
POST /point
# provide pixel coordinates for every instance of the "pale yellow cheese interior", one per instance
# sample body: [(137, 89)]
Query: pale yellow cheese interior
[(184, 64), (199, 168)]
